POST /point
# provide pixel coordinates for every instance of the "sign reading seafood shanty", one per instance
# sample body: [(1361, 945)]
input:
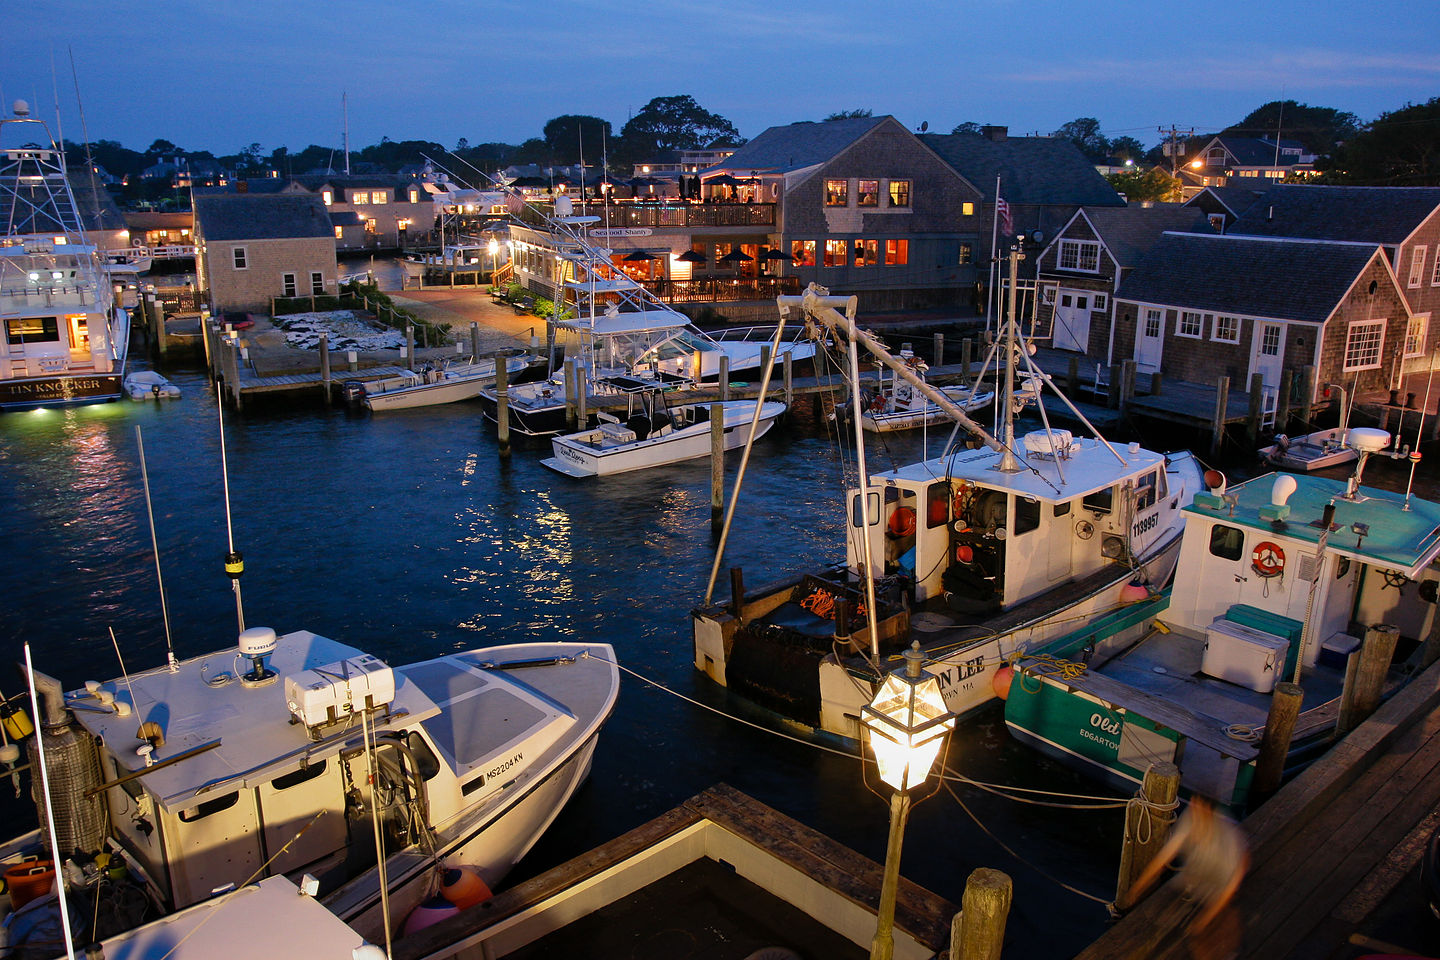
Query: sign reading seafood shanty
[(609, 233)]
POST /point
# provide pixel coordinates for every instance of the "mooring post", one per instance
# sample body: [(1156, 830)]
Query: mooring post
[(1127, 383), (789, 380), (1115, 386), (1279, 729), (325, 366), (409, 347), (474, 339), (1072, 377), (1362, 693), (1282, 402), (967, 349), (1148, 821), (502, 404), (1222, 403), (570, 392), (717, 464), (724, 378), (977, 932), (352, 360), (737, 592), (1257, 408), (764, 363), (939, 349), (582, 394)]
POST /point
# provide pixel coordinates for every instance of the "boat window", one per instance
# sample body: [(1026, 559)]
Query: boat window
[(1145, 491), (1027, 514), (425, 758), (1228, 543), (1162, 486), (1062, 509), (297, 777), (1101, 501), (209, 808), (872, 504), (937, 505), (33, 330)]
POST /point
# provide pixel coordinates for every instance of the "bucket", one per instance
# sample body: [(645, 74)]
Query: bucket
[(29, 881)]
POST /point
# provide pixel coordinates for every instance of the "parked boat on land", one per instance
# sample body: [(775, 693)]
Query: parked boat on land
[(65, 339), (439, 381), (977, 554), (1282, 578), (653, 434), (149, 385)]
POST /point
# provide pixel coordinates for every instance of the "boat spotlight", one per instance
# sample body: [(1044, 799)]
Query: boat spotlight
[(255, 644)]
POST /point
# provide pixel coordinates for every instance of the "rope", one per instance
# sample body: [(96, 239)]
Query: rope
[(1244, 732), (1148, 815)]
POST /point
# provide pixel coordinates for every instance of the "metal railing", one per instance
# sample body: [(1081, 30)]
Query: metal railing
[(622, 215), (716, 289)]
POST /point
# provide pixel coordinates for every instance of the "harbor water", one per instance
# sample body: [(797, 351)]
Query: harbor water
[(407, 535)]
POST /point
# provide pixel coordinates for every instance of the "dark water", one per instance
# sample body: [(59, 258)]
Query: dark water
[(406, 535)]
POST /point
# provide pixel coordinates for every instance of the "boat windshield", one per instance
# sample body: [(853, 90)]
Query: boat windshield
[(683, 344)]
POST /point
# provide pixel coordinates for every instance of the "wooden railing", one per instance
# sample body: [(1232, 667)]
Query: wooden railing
[(716, 289), (678, 213)]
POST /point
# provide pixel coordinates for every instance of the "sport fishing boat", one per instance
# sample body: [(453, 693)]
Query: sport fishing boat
[(65, 339), (654, 434), (318, 759), (1285, 577), (442, 381), (977, 554)]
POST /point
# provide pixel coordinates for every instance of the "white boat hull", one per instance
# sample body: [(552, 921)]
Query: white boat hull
[(587, 454), (148, 385), (425, 389), (1314, 451), (922, 413)]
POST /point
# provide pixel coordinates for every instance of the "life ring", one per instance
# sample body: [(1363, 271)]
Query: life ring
[(1267, 559), (902, 522)]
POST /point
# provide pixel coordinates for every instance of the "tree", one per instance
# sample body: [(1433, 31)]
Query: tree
[(1398, 149), (1318, 129), (461, 145), (1153, 184), (850, 115), (1085, 133), (674, 123), (568, 135), (969, 126), (160, 147), (1127, 148)]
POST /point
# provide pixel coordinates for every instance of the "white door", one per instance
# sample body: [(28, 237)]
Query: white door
[(1267, 352), (1149, 338), (1072, 321)]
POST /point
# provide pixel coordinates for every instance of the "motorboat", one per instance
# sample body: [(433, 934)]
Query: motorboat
[(65, 339), (1286, 578), (995, 547), (300, 756), (433, 382), (149, 385), (896, 404), (653, 434), (1318, 450)]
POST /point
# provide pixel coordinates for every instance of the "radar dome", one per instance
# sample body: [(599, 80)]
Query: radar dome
[(258, 642), (1367, 439)]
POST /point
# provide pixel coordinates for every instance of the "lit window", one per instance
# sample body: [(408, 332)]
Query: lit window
[(317, 282), (1417, 267), (868, 194), (361, 196), (402, 223), (802, 253), (1226, 329), (380, 196), (1190, 325), (287, 284), (240, 260), (1435, 274), (328, 196), (867, 253), (897, 253), (1415, 335), (836, 253), (1080, 255), (967, 253), (967, 209), (1363, 345), (899, 193), (339, 233), (836, 193), (369, 226), (414, 195)]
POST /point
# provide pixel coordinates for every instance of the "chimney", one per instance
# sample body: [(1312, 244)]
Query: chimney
[(242, 186), (994, 133)]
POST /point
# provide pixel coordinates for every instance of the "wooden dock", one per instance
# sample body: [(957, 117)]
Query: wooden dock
[(1326, 850)]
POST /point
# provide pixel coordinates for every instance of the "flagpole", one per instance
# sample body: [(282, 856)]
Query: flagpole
[(994, 239)]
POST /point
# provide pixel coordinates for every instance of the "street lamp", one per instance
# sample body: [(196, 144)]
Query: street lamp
[(494, 248), (906, 723)]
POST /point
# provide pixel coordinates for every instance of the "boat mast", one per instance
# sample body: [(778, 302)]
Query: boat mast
[(1009, 463)]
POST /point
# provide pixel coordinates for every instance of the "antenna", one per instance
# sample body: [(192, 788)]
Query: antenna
[(234, 562), (1419, 431), (345, 123), (155, 549)]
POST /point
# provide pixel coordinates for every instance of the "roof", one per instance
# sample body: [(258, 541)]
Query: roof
[(261, 185), (1280, 278), (1132, 231), (798, 145), (261, 217), (1032, 170), (156, 220), (1235, 199), (1370, 214), (1257, 151)]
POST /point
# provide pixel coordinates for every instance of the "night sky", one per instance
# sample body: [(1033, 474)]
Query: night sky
[(220, 75)]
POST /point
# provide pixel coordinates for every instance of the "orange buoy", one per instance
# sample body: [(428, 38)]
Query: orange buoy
[(1001, 680), (902, 522), (428, 912), (1134, 592), (463, 887)]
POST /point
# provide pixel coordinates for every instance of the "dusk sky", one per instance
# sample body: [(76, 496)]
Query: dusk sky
[(220, 75)]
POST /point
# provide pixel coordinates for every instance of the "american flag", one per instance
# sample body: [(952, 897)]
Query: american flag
[(1002, 212)]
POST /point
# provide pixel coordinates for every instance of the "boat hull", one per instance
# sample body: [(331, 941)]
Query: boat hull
[(892, 420), (578, 455), (59, 391), (1314, 451)]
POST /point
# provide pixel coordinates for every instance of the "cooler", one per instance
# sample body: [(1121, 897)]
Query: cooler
[(1243, 655)]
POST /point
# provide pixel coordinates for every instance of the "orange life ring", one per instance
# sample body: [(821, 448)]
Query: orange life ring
[(1267, 559), (902, 522)]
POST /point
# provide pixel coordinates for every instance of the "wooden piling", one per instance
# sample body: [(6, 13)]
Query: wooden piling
[(717, 464), (206, 332), (724, 378), (1257, 408), (352, 360), (737, 592), (474, 339), (502, 404), (582, 395), (1156, 381), (789, 380), (325, 366), (1113, 386), (1362, 692), (232, 369), (1222, 402), (967, 350), (1072, 377), (1147, 830), (570, 392), (939, 349), (977, 932), (1430, 651), (1282, 402), (1279, 729), (1127, 383), (764, 361), (409, 347)]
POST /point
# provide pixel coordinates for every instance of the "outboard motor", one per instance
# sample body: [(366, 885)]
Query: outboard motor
[(72, 764)]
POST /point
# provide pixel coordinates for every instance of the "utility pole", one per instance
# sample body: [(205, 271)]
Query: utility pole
[(1174, 134)]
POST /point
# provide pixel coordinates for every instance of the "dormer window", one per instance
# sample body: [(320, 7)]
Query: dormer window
[(1082, 255), (360, 196), (328, 196)]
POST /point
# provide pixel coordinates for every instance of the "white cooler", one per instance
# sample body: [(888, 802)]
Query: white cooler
[(1243, 655)]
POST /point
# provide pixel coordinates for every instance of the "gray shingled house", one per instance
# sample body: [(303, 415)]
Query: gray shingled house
[(252, 247), (1198, 307)]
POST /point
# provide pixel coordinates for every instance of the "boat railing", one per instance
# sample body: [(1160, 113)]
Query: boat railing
[(756, 334)]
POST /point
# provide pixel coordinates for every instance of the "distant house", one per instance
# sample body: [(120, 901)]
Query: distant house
[(393, 209), (1202, 306), (1224, 160), (1081, 267), (253, 247), (153, 229), (1222, 206)]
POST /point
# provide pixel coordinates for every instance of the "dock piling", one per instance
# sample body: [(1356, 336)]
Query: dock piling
[(967, 351), (764, 362), (977, 932), (717, 464), (1148, 821), (789, 380), (1222, 403), (737, 592), (1279, 729), (1257, 408), (582, 395), (1282, 402), (409, 347), (939, 349), (570, 392), (1072, 377), (325, 367), (352, 360), (724, 378), (1362, 693), (474, 339), (502, 404)]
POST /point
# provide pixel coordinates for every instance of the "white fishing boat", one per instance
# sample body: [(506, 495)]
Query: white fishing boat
[(1314, 451), (896, 404), (149, 385), (1282, 579), (442, 381), (977, 554), (124, 265), (210, 771), (65, 339), (654, 434)]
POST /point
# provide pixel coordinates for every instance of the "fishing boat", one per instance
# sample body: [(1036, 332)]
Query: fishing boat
[(1317, 450), (1286, 578), (294, 755), (897, 405), (653, 434), (977, 554), (124, 265), (149, 385), (435, 382), (65, 339)]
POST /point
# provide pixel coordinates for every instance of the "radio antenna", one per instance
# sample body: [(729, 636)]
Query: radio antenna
[(234, 562), (155, 549)]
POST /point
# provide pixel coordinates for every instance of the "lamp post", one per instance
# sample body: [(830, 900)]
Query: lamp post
[(494, 249), (906, 723)]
